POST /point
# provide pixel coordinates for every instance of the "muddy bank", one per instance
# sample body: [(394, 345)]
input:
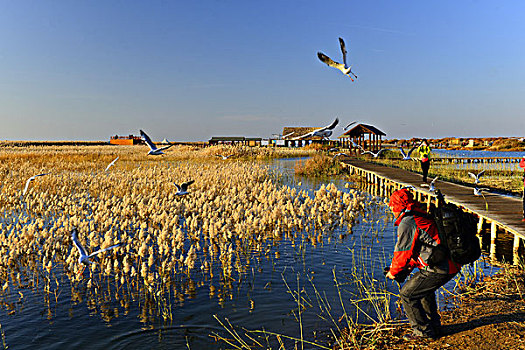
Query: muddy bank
[(491, 315)]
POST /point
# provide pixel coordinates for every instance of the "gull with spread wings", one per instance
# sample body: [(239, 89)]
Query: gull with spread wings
[(476, 176), (431, 186), (29, 181), (343, 67), (84, 257), (154, 151), (376, 154), (112, 163), (406, 156), (183, 188), (323, 132)]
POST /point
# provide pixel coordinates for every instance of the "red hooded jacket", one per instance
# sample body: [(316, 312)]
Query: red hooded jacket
[(415, 237)]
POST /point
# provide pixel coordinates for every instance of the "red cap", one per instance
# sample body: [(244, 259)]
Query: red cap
[(401, 199)]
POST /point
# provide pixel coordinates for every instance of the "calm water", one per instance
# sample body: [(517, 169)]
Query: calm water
[(87, 317)]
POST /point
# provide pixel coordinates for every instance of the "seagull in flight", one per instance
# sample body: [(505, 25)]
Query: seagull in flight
[(479, 191), (323, 132), (343, 67), (340, 154), (84, 257), (154, 151), (357, 146), (349, 125), (406, 156), (112, 163), (431, 186), (29, 181), (183, 188), (224, 157), (476, 176), (376, 154)]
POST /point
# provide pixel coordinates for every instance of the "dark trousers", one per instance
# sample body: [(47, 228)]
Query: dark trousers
[(419, 301), (424, 167)]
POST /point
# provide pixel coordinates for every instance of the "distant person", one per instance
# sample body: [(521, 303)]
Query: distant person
[(416, 236), (522, 165), (424, 158)]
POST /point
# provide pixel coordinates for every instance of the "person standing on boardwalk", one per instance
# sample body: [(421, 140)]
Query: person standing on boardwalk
[(417, 235), (424, 158), (522, 165)]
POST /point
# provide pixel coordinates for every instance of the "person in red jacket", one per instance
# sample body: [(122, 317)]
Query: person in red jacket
[(416, 236), (522, 165)]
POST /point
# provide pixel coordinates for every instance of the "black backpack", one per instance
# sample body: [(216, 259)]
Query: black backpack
[(457, 232)]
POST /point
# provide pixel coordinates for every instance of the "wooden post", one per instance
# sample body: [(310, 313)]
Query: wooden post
[(480, 225), (493, 236), (516, 247)]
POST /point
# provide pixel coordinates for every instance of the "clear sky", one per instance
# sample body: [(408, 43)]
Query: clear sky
[(189, 70)]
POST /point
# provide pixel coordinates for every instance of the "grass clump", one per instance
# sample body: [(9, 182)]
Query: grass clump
[(318, 166)]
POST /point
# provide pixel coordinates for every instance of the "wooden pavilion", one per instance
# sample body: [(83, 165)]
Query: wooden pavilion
[(367, 136)]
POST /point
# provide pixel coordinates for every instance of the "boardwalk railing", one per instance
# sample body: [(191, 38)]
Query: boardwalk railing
[(504, 220)]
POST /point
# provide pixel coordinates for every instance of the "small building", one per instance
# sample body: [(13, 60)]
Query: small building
[(235, 140), (367, 136), (125, 140)]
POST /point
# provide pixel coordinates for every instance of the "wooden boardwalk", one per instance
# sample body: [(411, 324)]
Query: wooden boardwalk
[(504, 213)]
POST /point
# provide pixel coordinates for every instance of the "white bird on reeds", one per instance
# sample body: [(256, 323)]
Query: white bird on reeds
[(476, 176), (84, 257), (154, 151), (406, 156), (183, 188), (431, 186), (224, 157), (324, 132), (343, 67), (374, 154), (112, 163), (29, 181)]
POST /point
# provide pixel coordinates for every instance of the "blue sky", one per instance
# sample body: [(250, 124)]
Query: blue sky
[(189, 70)]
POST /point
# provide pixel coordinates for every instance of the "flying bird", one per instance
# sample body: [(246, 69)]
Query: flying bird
[(289, 134), (357, 146), (323, 132), (476, 176), (29, 181), (349, 125), (406, 156), (183, 188), (431, 186), (376, 154), (479, 191), (154, 151), (112, 163), (224, 157), (84, 257), (343, 67), (340, 154)]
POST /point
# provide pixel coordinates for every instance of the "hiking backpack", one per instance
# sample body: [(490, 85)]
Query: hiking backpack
[(457, 232)]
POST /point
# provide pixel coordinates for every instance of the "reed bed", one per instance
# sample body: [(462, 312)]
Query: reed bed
[(170, 245)]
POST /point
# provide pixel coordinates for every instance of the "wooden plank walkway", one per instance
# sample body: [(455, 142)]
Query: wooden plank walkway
[(504, 212)]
